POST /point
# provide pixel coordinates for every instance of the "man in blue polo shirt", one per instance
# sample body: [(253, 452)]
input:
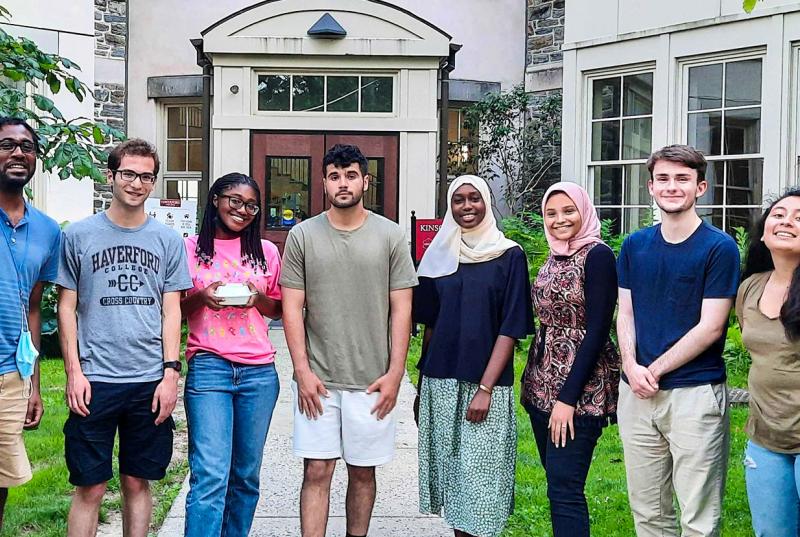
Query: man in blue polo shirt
[(677, 281), (29, 254)]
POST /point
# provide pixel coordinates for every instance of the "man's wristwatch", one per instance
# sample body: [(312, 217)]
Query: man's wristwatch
[(176, 365)]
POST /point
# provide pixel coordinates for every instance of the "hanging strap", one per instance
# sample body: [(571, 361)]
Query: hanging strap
[(23, 309)]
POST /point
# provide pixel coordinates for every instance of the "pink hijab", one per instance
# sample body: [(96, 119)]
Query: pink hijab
[(590, 229)]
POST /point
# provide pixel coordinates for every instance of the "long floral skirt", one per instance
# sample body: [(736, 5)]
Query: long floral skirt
[(466, 468)]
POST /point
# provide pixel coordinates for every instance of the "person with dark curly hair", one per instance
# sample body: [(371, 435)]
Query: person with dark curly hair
[(232, 385), (768, 309)]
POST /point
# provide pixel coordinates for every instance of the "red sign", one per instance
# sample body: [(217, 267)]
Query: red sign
[(424, 232)]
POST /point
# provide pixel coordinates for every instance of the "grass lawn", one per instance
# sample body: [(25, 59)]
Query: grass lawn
[(40, 506), (606, 490)]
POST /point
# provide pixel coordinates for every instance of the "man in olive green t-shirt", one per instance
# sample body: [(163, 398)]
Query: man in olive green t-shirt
[(352, 271)]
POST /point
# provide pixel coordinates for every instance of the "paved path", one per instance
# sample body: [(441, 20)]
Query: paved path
[(396, 508)]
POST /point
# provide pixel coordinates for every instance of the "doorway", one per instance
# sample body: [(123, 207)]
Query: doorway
[(288, 169)]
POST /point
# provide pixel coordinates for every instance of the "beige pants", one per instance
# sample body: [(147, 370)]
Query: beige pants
[(675, 442), (14, 466)]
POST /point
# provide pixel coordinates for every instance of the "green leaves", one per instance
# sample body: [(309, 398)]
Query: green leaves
[(68, 146), (749, 5)]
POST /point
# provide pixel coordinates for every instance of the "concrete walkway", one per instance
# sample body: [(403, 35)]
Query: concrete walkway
[(396, 507)]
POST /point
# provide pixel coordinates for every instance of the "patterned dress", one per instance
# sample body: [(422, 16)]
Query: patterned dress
[(559, 301)]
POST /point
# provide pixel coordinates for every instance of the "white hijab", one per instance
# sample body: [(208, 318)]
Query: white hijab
[(453, 245)]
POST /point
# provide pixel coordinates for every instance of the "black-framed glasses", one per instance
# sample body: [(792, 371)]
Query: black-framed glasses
[(9, 146), (237, 203), (130, 176)]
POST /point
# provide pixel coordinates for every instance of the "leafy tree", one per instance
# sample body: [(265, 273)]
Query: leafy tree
[(73, 146), (518, 147)]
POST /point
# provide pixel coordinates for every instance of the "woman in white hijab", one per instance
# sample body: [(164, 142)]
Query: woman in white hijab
[(474, 300)]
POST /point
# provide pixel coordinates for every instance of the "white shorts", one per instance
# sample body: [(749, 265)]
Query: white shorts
[(346, 430)]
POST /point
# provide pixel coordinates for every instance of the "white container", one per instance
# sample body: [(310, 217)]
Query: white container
[(234, 294)]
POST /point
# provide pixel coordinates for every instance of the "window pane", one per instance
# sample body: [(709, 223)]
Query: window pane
[(373, 197), (181, 189), (712, 216), (195, 116), (743, 83), (742, 131), (307, 93), (608, 185), (636, 191), (376, 94), (273, 92), (636, 138), (176, 156), (195, 156), (605, 98), (637, 218), (605, 140), (638, 95), (176, 122), (342, 94), (452, 125), (615, 215), (715, 178), (286, 191), (745, 182), (741, 217), (705, 87), (705, 132)]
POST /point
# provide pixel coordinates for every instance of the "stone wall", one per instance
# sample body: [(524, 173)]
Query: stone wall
[(111, 41), (544, 72)]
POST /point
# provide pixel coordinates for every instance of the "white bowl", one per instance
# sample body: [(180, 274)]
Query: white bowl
[(234, 294)]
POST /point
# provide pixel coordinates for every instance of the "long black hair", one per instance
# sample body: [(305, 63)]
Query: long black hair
[(759, 259), (252, 252)]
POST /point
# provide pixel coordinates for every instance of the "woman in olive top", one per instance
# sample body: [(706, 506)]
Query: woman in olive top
[(768, 307)]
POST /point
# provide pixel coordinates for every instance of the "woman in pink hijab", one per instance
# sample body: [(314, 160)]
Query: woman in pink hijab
[(570, 383)]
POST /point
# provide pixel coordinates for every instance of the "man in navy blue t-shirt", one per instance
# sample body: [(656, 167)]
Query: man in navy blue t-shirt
[(677, 281)]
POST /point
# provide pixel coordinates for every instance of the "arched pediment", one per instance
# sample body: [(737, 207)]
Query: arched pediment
[(372, 27)]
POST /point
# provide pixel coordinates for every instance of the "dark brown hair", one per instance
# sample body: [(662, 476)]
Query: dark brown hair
[(683, 154), (134, 146)]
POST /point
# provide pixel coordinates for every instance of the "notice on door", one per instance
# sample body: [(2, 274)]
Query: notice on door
[(180, 215)]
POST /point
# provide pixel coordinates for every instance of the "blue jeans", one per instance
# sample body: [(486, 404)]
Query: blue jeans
[(773, 490), (566, 469), (229, 407)]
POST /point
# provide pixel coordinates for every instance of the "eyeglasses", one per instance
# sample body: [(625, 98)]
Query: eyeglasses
[(9, 146), (130, 176), (237, 203)]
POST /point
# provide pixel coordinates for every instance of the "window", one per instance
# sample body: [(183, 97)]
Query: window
[(287, 191), (183, 164), (373, 197), (621, 139), (461, 144), (723, 121), (325, 93)]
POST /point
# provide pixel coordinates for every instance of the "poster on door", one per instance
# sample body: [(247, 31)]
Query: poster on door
[(180, 215)]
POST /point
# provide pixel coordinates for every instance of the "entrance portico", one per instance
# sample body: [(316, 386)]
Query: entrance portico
[(290, 80)]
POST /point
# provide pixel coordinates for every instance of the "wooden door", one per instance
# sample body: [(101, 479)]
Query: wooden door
[(288, 169)]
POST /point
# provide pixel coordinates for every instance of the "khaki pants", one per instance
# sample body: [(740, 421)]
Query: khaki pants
[(675, 442), (14, 466)]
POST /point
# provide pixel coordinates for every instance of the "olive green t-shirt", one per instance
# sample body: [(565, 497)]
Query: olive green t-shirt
[(774, 379), (347, 277)]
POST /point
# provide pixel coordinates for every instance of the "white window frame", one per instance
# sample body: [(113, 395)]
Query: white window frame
[(794, 131), (683, 70), (591, 165), (296, 113), (192, 176)]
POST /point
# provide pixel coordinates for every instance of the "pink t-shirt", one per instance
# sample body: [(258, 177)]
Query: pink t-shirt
[(236, 334)]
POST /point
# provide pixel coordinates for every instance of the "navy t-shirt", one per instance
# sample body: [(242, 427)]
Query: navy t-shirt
[(468, 309), (668, 283)]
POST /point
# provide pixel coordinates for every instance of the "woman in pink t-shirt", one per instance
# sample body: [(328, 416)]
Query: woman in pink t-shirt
[(231, 386)]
